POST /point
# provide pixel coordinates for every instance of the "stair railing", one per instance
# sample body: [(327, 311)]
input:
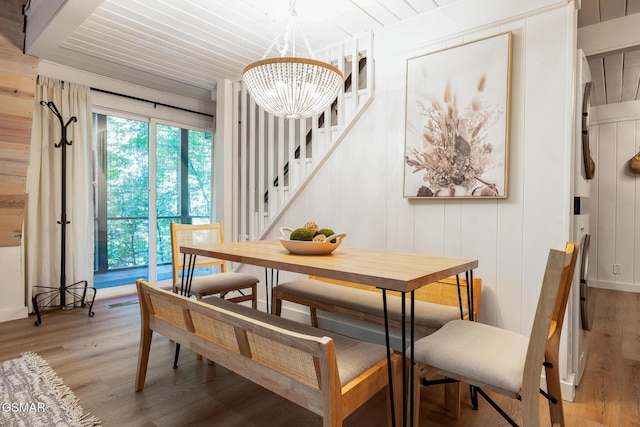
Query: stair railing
[(273, 158)]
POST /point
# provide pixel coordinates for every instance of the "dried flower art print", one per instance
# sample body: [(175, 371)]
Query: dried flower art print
[(456, 135)]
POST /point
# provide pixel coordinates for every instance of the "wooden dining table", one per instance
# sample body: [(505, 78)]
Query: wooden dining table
[(396, 271)]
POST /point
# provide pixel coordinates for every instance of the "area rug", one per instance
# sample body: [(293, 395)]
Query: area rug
[(32, 395)]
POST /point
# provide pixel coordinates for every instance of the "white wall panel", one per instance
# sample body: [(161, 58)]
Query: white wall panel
[(12, 297), (545, 154), (503, 301), (359, 186), (594, 213), (606, 182), (452, 228), (479, 231), (636, 215), (615, 198), (429, 235), (625, 203)]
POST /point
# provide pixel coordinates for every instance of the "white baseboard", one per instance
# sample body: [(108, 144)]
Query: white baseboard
[(567, 386), (626, 287), (13, 313), (115, 292), (124, 290)]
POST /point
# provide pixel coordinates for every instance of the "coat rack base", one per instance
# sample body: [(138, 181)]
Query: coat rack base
[(52, 298)]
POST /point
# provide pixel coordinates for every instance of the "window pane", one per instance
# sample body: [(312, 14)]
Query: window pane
[(127, 148), (167, 172), (183, 184), (200, 174), (167, 190), (121, 200)]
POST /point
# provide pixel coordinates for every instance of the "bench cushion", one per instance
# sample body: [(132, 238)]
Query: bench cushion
[(353, 356), (222, 281), (426, 314)]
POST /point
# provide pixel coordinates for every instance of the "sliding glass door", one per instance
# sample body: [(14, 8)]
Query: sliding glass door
[(182, 184), (141, 164)]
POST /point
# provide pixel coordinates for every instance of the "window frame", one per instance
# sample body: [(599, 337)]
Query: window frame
[(133, 109)]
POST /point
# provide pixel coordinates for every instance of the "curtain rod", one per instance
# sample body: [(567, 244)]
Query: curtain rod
[(155, 104)]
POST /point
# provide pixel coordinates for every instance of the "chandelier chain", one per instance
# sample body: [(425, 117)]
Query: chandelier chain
[(292, 28)]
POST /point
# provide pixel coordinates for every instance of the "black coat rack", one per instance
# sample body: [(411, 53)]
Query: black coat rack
[(47, 299)]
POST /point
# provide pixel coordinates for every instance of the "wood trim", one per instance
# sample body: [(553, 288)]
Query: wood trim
[(17, 90)]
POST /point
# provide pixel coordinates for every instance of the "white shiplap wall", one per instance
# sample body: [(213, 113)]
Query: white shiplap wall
[(359, 189), (615, 198)]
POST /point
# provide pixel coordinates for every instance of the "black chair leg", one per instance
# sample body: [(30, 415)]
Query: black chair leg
[(473, 392), (495, 406), (175, 359)]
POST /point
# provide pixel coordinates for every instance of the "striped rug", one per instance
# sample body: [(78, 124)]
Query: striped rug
[(32, 395)]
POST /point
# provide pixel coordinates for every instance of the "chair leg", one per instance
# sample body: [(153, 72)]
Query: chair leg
[(176, 356), (276, 304), (143, 357), (479, 391), (314, 317), (396, 374), (254, 297), (473, 393), (452, 399), (554, 390), (198, 355), (418, 374)]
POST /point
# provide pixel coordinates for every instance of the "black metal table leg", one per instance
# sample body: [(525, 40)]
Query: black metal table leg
[(412, 367), (185, 290), (469, 277), (269, 285), (403, 319), (410, 404)]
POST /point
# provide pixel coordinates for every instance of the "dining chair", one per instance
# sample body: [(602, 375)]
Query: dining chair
[(221, 283), (490, 358)]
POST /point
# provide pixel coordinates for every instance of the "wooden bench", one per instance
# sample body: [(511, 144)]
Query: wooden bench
[(435, 304), (329, 374)]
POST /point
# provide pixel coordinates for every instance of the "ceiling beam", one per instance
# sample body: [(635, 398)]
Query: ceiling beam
[(614, 35), (44, 33)]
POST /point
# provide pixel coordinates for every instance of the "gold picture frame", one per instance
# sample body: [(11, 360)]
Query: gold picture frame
[(457, 121)]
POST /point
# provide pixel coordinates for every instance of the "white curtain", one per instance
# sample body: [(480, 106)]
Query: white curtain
[(44, 178)]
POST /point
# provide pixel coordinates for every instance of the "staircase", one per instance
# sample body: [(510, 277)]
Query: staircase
[(273, 158)]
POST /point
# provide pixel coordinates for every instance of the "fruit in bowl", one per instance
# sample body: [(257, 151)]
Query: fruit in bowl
[(310, 240)]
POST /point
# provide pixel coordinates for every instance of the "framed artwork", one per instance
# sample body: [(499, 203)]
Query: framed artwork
[(457, 121)]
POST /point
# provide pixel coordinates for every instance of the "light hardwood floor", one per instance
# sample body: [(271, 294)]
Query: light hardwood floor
[(96, 357)]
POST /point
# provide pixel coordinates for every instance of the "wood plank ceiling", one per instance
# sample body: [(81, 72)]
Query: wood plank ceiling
[(186, 46), (615, 74)]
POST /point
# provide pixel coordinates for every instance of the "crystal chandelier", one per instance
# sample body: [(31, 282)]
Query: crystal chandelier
[(292, 87)]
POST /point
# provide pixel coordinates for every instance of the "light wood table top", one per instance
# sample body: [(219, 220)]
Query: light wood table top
[(398, 271)]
